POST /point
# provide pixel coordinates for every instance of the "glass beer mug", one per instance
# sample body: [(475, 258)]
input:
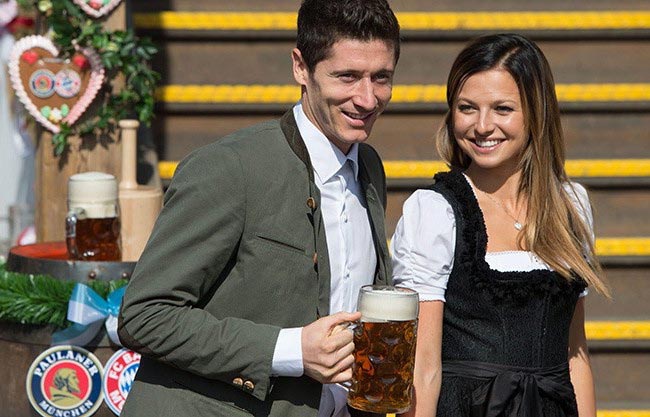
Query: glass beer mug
[(93, 223), (384, 350)]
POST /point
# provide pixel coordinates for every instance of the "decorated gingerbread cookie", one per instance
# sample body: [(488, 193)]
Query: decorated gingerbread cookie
[(97, 8), (54, 90)]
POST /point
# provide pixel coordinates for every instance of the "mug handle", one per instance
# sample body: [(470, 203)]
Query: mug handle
[(71, 232)]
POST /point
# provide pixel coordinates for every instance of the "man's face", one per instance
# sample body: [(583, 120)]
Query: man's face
[(348, 90)]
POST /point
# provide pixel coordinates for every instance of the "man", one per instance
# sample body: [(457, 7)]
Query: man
[(65, 387), (254, 265)]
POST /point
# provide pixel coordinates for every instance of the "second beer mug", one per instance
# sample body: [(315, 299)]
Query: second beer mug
[(384, 350), (93, 223)]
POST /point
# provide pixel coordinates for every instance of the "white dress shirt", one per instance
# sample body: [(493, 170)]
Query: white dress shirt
[(350, 247), (425, 237)]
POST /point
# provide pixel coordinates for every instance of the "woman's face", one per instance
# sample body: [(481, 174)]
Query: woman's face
[(489, 120)]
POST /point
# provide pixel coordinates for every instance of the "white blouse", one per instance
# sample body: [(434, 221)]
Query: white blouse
[(423, 244)]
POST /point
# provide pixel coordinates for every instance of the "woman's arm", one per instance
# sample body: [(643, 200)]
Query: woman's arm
[(579, 366), (428, 369)]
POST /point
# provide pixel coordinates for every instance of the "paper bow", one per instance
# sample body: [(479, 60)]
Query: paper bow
[(87, 310)]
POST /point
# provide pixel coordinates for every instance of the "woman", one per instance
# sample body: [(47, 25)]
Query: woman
[(500, 248)]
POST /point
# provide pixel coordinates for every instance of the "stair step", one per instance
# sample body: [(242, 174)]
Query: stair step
[(410, 136), (618, 330), (426, 169), (621, 376), (630, 294), (623, 409), (402, 94), (621, 20), (267, 62)]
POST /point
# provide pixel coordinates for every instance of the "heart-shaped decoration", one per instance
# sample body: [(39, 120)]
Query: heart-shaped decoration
[(8, 10), (97, 8), (54, 90)]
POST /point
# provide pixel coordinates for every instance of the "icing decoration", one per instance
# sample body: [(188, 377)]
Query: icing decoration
[(76, 88), (97, 8), (30, 57), (41, 83), (67, 83), (8, 11), (80, 61)]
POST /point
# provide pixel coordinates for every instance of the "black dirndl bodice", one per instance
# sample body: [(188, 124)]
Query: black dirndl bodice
[(505, 334)]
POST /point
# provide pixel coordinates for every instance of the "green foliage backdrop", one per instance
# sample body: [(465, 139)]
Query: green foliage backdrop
[(121, 52), (41, 299)]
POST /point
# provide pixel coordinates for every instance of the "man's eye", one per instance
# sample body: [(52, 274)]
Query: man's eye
[(347, 78), (382, 78)]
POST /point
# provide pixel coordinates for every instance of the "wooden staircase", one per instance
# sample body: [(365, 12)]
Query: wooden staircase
[(226, 65)]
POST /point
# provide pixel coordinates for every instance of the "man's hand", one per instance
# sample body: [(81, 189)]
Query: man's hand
[(326, 350)]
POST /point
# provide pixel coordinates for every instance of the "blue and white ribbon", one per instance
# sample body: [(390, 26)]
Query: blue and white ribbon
[(87, 310)]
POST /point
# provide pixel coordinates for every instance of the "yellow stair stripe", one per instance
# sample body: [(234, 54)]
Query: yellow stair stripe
[(408, 94), (575, 168), (629, 246), (591, 168), (618, 330), (421, 21), (166, 169)]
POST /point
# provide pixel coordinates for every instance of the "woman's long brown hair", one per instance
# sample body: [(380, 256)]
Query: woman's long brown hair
[(554, 229)]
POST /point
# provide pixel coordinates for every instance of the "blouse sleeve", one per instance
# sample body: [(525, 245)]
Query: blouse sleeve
[(580, 199), (423, 245)]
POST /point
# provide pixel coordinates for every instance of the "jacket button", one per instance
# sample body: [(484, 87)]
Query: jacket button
[(315, 258), (311, 203), (238, 382), (249, 386)]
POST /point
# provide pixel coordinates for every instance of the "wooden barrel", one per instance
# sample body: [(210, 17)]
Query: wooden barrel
[(21, 344)]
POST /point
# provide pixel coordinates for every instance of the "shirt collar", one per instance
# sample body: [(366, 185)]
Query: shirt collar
[(325, 157)]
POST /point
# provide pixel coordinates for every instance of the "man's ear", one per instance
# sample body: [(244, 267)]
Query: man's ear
[(300, 70)]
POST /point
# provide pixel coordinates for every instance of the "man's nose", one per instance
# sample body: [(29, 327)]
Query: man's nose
[(365, 96)]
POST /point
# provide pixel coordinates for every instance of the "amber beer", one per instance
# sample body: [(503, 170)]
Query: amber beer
[(384, 350), (93, 223)]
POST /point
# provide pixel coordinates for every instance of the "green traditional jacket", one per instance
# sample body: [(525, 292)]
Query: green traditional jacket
[(238, 253)]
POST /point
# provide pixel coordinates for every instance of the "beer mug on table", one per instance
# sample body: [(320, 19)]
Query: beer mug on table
[(93, 223), (384, 349)]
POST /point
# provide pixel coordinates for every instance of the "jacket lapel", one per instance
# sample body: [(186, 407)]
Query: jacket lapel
[(297, 145), (376, 214)]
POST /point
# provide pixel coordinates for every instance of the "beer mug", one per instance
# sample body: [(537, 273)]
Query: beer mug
[(93, 223), (384, 349)]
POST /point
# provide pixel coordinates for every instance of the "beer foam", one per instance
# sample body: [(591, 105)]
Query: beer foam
[(93, 194), (384, 303)]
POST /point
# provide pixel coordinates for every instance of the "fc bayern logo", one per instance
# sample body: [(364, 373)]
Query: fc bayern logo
[(118, 378), (65, 381)]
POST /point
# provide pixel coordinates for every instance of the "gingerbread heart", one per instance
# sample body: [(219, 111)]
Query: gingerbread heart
[(54, 90), (97, 8)]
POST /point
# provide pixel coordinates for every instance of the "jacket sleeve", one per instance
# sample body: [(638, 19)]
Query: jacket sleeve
[(191, 249)]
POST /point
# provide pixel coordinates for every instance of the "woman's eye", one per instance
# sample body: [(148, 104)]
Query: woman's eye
[(464, 108), (504, 109)]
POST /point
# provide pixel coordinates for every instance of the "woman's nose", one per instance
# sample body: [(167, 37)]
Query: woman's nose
[(485, 124)]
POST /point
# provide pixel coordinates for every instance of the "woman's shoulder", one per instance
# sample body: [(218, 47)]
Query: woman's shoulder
[(578, 195), (426, 200)]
